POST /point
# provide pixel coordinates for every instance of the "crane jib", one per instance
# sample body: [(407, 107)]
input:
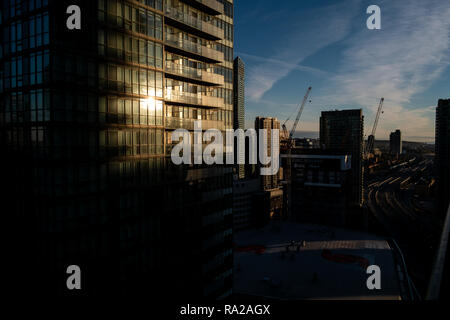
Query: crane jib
[(294, 127)]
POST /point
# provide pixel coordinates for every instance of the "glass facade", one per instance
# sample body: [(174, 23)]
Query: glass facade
[(86, 121)]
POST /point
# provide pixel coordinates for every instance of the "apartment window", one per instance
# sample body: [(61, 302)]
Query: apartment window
[(129, 48), (137, 19)]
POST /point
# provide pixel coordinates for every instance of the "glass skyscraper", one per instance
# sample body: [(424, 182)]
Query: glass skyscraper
[(86, 125)]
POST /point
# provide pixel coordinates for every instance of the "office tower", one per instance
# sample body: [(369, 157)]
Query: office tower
[(442, 160), (92, 111), (395, 142), (344, 131), (239, 103)]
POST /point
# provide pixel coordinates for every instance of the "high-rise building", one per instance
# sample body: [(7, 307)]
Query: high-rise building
[(269, 201), (443, 155), (87, 117), (267, 181), (239, 93), (239, 103), (344, 131), (395, 142)]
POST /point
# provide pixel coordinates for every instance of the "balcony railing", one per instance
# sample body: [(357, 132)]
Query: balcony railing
[(213, 4), (194, 22), (212, 77), (198, 49), (194, 73), (194, 99), (170, 146), (188, 124), (212, 7)]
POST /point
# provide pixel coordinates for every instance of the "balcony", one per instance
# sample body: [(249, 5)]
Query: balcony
[(212, 7), (204, 29), (194, 99), (194, 73), (188, 124), (212, 77), (196, 50)]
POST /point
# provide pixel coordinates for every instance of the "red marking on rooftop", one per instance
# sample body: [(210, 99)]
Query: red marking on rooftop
[(345, 258), (252, 248)]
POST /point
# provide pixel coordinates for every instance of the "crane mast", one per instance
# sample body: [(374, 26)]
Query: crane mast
[(371, 138), (291, 134)]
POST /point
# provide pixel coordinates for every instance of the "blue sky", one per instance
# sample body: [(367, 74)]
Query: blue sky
[(288, 45)]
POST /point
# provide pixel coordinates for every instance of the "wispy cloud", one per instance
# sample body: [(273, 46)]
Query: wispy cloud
[(283, 64), (305, 34), (398, 63)]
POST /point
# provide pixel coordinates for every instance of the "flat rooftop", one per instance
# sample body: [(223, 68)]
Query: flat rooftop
[(290, 261)]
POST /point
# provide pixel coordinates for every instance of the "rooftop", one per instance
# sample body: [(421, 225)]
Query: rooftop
[(294, 261)]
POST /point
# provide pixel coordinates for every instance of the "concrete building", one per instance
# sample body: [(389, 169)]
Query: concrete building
[(269, 201), (395, 142), (319, 186), (239, 103), (87, 119), (442, 159), (344, 131), (307, 143)]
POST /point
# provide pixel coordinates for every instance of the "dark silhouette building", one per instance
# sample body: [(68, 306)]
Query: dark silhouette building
[(442, 146), (320, 186), (244, 204), (344, 131), (395, 142), (86, 128)]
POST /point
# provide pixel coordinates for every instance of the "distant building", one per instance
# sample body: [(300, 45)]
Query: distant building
[(244, 191), (239, 93), (268, 206), (395, 142), (239, 102), (320, 186), (344, 131), (269, 201), (442, 146), (306, 143), (268, 182)]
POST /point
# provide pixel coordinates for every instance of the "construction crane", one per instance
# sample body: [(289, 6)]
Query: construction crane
[(371, 138), (285, 135), (287, 144)]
